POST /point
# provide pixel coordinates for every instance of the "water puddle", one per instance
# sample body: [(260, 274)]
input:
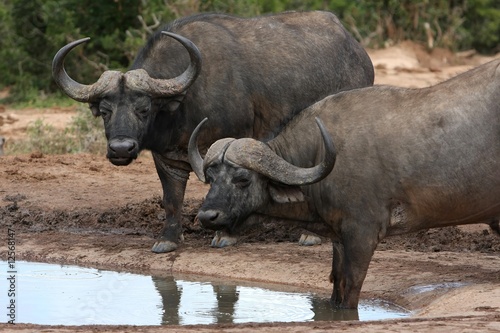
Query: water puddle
[(71, 295)]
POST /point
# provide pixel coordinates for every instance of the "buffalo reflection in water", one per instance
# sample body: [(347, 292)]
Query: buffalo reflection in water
[(226, 298)]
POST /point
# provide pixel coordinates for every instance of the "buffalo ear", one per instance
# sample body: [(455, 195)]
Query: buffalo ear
[(285, 194), (174, 103), (94, 107)]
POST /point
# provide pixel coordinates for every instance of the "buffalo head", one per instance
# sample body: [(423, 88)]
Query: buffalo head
[(128, 102), (245, 174)]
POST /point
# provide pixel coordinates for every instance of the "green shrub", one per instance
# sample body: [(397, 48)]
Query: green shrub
[(482, 25), (33, 31)]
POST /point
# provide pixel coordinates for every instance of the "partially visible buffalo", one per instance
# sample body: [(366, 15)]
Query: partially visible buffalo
[(2, 143), (407, 159), (257, 73)]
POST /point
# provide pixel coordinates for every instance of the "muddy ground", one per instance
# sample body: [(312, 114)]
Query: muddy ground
[(80, 209)]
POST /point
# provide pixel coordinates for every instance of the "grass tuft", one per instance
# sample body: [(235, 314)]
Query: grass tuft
[(84, 134)]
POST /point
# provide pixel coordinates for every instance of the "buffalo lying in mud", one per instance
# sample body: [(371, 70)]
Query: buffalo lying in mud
[(257, 74), (405, 160)]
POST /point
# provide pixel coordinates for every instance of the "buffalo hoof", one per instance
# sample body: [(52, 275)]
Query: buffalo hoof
[(223, 239), (309, 240), (164, 247)]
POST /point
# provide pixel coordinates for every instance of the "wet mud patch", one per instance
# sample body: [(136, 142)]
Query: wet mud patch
[(445, 239), (146, 218)]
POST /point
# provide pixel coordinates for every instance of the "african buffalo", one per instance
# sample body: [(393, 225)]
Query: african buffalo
[(2, 143), (256, 74), (406, 160)]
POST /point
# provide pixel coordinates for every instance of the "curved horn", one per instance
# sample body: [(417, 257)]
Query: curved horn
[(194, 154), (139, 79), (258, 156), (179, 84), (77, 91)]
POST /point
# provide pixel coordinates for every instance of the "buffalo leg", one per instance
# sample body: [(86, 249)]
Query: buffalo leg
[(173, 181), (337, 274), (359, 240)]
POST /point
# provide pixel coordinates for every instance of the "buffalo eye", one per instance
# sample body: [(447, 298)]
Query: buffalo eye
[(241, 182), (105, 113), (142, 112), (210, 175), (209, 178)]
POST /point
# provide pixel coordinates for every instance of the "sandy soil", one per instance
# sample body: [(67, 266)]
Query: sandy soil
[(80, 209)]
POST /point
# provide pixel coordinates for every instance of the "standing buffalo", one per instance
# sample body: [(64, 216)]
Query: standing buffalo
[(406, 159), (257, 74)]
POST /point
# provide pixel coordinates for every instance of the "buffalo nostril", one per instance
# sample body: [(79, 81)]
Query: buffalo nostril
[(214, 216)]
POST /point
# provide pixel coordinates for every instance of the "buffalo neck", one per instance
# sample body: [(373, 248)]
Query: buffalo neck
[(298, 211), (298, 214), (166, 132)]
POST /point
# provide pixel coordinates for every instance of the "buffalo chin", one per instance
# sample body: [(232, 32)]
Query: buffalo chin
[(120, 161), (214, 226)]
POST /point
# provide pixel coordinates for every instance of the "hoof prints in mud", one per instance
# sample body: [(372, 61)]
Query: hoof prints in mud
[(144, 218)]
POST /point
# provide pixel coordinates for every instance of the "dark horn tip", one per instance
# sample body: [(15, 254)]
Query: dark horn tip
[(194, 156), (59, 57), (174, 36), (76, 42), (203, 121), (329, 145), (79, 41), (171, 34), (185, 41)]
